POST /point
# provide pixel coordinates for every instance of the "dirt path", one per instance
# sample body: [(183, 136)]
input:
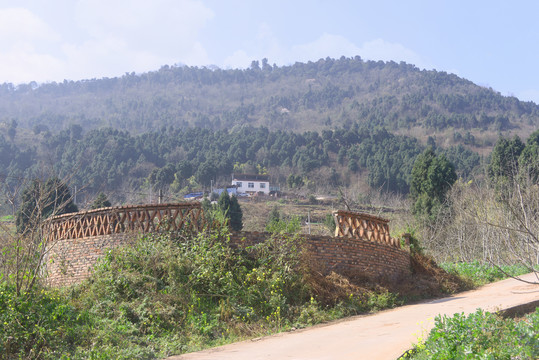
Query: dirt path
[(385, 335)]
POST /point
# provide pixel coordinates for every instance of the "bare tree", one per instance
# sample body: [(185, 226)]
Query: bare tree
[(10, 187), (22, 252), (484, 224)]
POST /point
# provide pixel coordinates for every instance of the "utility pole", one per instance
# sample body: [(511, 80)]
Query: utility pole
[(309, 220)]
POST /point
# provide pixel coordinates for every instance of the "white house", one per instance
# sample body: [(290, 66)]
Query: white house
[(251, 183)]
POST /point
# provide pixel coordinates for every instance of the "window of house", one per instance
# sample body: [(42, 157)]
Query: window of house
[(262, 185), (238, 183), (251, 185)]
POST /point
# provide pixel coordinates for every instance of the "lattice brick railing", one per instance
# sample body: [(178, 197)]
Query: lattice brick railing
[(114, 220), (363, 226)]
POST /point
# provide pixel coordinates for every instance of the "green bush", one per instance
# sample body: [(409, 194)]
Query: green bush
[(283, 226), (38, 323), (415, 246), (329, 222), (190, 292), (480, 335)]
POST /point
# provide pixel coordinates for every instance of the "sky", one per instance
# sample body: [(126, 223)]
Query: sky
[(492, 43)]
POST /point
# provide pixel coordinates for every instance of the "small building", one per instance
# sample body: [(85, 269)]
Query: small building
[(194, 195), (251, 183), (232, 190)]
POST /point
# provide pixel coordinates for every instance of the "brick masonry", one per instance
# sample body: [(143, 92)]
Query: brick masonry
[(344, 254), (70, 261)]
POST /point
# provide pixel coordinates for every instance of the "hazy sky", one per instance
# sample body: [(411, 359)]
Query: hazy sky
[(492, 43)]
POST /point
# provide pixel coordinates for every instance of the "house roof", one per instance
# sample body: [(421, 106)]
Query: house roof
[(250, 177)]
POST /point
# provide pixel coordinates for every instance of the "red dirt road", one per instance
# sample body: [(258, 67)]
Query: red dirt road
[(385, 335)]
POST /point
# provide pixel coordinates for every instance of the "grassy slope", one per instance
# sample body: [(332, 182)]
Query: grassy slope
[(166, 295)]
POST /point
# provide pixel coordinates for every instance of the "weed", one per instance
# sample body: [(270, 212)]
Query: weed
[(38, 323)]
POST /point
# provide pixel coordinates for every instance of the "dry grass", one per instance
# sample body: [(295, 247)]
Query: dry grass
[(427, 280), (256, 214)]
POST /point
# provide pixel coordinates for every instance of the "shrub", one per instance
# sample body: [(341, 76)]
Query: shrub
[(480, 335), (329, 222), (282, 226), (274, 215), (38, 324), (191, 291)]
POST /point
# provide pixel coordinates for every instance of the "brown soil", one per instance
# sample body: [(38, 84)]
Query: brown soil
[(427, 280)]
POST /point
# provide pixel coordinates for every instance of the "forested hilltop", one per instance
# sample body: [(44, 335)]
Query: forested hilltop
[(318, 95)]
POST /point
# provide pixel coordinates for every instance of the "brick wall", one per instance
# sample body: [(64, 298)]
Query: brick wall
[(70, 261), (344, 255), (348, 255)]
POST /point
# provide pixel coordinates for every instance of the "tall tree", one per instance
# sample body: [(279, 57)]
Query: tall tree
[(40, 200), (503, 165), (432, 177), (231, 207), (528, 162)]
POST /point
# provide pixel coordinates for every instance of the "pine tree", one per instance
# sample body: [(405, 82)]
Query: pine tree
[(101, 201), (236, 214), (432, 177), (231, 207), (41, 200)]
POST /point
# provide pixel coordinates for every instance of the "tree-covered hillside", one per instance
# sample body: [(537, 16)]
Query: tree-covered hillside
[(312, 126), (304, 96), (181, 160)]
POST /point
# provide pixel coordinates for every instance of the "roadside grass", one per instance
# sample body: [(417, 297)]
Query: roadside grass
[(483, 273), (480, 335)]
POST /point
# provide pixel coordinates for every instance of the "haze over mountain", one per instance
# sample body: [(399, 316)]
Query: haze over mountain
[(493, 44), (318, 95)]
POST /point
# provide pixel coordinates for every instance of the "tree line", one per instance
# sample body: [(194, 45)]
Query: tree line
[(183, 160)]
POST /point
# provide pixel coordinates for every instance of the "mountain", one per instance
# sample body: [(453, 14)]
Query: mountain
[(314, 127), (318, 95)]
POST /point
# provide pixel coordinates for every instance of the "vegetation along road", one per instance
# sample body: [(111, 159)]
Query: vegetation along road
[(385, 335)]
